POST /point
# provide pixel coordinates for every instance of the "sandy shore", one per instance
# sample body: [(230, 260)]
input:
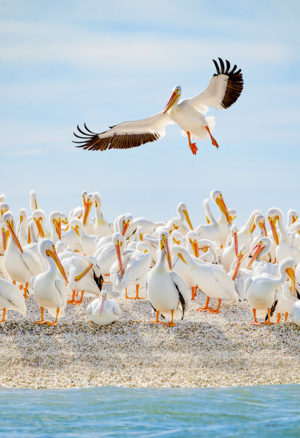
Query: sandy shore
[(203, 350)]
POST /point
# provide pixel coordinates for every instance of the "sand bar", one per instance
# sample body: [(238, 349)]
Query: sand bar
[(203, 350)]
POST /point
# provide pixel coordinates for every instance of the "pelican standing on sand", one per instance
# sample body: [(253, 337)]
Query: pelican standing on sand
[(11, 298), (49, 291), (166, 291), (223, 90)]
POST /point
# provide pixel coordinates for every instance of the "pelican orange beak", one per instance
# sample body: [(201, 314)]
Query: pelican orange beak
[(259, 249), (57, 224), (76, 229), (207, 220), (29, 236), (141, 237), (294, 219), (5, 235), (252, 226), (171, 101), (52, 253), (118, 250), (273, 228), (204, 248), (237, 268), (87, 208), (291, 273), (84, 272), (39, 227), (187, 218), (13, 235), (177, 242), (182, 258), (125, 226), (236, 245), (195, 247), (222, 206), (167, 250), (263, 226)]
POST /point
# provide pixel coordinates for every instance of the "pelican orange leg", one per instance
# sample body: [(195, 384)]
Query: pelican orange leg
[(192, 146), (157, 319), (171, 323), (268, 322), (41, 321), (203, 309), (217, 309), (255, 322), (137, 288), (71, 301), (213, 140), (77, 302), (54, 323), (3, 316), (194, 292)]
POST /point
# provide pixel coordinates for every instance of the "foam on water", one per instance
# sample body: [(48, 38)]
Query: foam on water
[(264, 411)]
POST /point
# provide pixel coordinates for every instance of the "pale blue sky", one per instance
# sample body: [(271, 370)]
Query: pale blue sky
[(100, 62)]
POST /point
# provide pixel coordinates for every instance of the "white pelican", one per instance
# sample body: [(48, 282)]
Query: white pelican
[(72, 236), (286, 300), (220, 229), (166, 291), (21, 264), (33, 201), (55, 223), (23, 227), (230, 252), (211, 279), (262, 290), (102, 228), (103, 311), (137, 268), (110, 252), (40, 218), (244, 234), (89, 226), (177, 222), (284, 248), (50, 292), (84, 276), (296, 313), (11, 298), (223, 90)]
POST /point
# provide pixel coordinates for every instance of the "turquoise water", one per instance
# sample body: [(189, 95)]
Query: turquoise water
[(264, 411)]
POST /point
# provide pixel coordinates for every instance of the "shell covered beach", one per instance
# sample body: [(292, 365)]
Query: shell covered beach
[(203, 350)]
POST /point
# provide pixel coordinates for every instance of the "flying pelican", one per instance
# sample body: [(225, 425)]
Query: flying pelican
[(223, 90)]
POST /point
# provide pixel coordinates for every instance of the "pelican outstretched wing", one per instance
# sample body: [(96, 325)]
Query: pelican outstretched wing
[(223, 89), (124, 135)]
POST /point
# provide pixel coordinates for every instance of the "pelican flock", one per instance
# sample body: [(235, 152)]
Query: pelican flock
[(62, 260), (223, 90)]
